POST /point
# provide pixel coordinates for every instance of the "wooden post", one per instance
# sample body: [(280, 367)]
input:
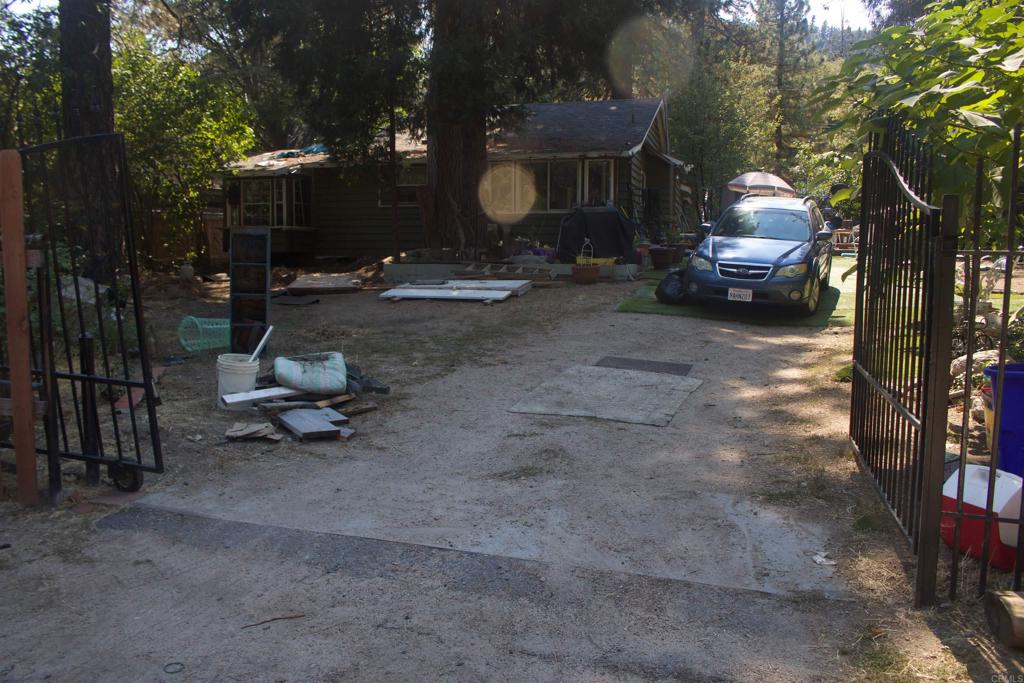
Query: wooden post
[(12, 229), (1005, 613)]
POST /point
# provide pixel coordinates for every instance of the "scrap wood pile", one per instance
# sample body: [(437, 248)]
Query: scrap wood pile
[(305, 395)]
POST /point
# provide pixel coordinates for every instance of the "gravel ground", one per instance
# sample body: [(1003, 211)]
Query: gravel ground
[(451, 539)]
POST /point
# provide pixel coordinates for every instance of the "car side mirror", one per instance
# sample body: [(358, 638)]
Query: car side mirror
[(704, 231), (824, 236)]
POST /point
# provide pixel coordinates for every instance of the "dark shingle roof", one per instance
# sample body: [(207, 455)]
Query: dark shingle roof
[(607, 126), (602, 128)]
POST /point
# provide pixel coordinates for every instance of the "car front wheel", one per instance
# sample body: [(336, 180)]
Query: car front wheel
[(813, 299)]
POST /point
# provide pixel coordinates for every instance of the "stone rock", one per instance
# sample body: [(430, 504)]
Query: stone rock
[(981, 360), (978, 409)]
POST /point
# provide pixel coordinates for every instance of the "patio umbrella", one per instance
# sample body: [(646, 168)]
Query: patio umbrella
[(759, 182)]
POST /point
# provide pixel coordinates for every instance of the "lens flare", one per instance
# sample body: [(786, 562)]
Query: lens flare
[(507, 191), (642, 51)]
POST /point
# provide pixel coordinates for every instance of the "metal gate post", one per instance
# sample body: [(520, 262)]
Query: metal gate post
[(49, 380), (12, 228), (90, 418), (940, 341)]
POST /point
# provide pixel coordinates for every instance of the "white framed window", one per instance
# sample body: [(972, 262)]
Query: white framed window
[(257, 197), (518, 187), (301, 198), (268, 202), (563, 185), (598, 186), (503, 187), (410, 176), (281, 212), (531, 187)]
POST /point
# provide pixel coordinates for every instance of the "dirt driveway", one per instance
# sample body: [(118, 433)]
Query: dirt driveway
[(451, 539)]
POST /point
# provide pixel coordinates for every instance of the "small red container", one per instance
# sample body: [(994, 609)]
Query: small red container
[(972, 535), (585, 275), (1002, 550)]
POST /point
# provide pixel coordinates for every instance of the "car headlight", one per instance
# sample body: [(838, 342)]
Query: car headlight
[(793, 270), (700, 263)]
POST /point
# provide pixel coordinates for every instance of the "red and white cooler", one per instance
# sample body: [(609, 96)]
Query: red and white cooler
[(1005, 503)]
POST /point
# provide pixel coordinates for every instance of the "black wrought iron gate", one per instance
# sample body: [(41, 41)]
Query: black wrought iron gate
[(87, 337), (905, 280)]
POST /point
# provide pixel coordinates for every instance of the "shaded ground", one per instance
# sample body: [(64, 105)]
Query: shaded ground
[(451, 539)]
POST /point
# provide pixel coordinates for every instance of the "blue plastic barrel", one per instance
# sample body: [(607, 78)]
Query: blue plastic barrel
[(1011, 427)]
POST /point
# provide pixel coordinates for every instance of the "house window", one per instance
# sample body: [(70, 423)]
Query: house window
[(281, 188), (301, 201), (256, 201), (503, 187), (598, 182), (520, 187), (409, 178), (531, 187), (564, 185), (268, 202), (233, 200)]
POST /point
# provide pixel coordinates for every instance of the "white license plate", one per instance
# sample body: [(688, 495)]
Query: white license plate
[(741, 294)]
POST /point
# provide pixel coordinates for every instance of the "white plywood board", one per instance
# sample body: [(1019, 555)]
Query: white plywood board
[(248, 398), (448, 294), (517, 287)]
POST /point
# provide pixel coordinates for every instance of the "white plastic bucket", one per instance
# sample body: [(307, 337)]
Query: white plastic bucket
[(235, 374)]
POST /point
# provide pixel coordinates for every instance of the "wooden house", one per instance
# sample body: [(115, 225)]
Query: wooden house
[(547, 160)]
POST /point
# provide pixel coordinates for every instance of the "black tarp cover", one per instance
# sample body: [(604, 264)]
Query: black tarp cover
[(609, 233)]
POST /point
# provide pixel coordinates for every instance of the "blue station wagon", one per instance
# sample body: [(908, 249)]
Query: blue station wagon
[(764, 250)]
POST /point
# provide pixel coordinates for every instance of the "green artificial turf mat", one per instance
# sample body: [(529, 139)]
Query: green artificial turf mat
[(835, 310)]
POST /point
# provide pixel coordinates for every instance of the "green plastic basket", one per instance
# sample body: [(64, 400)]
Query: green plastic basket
[(201, 334)]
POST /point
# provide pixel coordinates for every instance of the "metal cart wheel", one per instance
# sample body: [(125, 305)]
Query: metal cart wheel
[(127, 479)]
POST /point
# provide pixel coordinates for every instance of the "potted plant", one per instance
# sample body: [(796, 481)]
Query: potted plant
[(642, 245), (675, 242), (661, 257), (585, 271)]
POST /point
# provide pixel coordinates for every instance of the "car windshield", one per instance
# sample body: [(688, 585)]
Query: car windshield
[(772, 224)]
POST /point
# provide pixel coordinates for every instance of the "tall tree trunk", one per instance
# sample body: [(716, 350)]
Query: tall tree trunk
[(699, 38), (458, 128), (396, 251), (780, 81), (87, 88), (87, 108)]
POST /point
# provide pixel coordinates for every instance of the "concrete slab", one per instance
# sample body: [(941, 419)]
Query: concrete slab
[(183, 592), (714, 538), (610, 394)]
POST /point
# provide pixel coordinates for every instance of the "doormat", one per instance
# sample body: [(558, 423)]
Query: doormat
[(681, 369), (649, 398)]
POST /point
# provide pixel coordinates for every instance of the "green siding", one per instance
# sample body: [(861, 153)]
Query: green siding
[(632, 198), (349, 221)]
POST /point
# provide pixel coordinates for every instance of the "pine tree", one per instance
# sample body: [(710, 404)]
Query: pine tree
[(787, 45)]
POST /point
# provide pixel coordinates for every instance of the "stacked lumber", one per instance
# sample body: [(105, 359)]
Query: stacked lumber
[(481, 271), (307, 419)]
